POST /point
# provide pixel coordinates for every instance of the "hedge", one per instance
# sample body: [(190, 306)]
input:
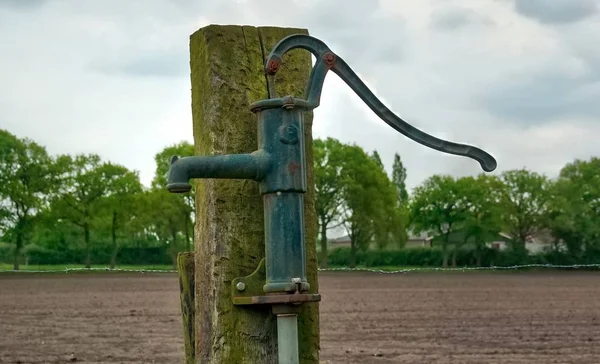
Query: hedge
[(421, 257), (100, 255), (432, 257)]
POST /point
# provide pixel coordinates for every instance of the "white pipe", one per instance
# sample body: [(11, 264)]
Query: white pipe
[(287, 339)]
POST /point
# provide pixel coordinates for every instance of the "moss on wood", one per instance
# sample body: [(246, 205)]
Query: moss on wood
[(227, 75), (185, 269)]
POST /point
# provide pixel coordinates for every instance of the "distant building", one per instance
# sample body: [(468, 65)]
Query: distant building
[(421, 240), (343, 241), (540, 242)]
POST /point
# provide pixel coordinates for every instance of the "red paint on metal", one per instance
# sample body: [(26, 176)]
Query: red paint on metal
[(329, 59), (273, 66)]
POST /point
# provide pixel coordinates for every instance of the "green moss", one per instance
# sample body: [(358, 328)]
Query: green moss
[(185, 269)]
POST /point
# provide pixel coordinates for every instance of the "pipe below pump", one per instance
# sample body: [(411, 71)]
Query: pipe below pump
[(287, 338)]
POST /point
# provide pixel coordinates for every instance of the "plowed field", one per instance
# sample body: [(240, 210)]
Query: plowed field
[(485, 318)]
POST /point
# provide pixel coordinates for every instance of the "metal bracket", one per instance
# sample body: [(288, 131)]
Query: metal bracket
[(248, 290)]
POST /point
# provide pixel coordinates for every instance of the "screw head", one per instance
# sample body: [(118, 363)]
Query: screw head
[(240, 286)]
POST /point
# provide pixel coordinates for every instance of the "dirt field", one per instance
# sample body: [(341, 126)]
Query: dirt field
[(485, 318)]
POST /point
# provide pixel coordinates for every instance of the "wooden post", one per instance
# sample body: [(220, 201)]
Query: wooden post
[(185, 268), (227, 74)]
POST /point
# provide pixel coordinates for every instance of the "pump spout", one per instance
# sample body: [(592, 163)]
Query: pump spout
[(252, 166)]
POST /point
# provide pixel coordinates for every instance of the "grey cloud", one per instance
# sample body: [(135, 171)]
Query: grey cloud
[(152, 64), (22, 5), (557, 11), (543, 97), (357, 33), (456, 17)]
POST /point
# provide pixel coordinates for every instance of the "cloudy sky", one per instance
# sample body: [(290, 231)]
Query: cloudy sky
[(518, 78)]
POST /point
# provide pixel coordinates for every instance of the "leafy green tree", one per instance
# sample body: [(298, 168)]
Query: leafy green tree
[(164, 218), (25, 180), (183, 205), (122, 187), (377, 158), (574, 213), (367, 201), (83, 184), (483, 222), (437, 206), (399, 179), (525, 197), (328, 163)]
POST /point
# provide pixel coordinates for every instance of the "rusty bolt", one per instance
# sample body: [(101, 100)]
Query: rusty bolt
[(329, 58), (273, 66)]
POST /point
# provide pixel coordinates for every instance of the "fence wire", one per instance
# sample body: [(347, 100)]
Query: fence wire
[(337, 269)]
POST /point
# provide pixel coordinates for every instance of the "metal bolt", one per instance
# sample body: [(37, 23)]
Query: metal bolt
[(273, 66), (289, 134), (240, 286), (329, 59)]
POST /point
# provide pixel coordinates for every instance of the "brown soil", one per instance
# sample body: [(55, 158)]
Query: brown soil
[(484, 318)]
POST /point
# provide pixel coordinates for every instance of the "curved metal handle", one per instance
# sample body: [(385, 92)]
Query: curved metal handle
[(326, 60)]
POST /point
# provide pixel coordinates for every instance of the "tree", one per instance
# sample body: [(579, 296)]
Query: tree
[(438, 206), (367, 201), (183, 205), (524, 201), (164, 218), (483, 216), (399, 179), (377, 158), (119, 202), (574, 213), (25, 181), (83, 183), (328, 157)]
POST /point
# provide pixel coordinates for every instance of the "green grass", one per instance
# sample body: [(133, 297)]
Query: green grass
[(66, 267)]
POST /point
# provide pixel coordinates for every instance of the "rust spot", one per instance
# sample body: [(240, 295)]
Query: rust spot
[(273, 66), (293, 167), (329, 59)]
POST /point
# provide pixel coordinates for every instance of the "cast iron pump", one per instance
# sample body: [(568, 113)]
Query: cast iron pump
[(279, 167)]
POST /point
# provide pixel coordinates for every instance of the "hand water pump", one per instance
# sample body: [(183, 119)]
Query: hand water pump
[(279, 167)]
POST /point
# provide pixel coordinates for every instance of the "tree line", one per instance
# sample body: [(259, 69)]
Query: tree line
[(80, 202), (62, 204), (375, 209)]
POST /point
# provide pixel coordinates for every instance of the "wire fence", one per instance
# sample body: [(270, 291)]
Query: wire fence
[(337, 269)]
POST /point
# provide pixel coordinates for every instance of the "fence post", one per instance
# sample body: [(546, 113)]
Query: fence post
[(227, 75), (185, 268)]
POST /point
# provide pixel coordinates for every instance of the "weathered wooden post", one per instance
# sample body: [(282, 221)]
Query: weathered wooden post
[(281, 167), (185, 268), (227, 75)]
